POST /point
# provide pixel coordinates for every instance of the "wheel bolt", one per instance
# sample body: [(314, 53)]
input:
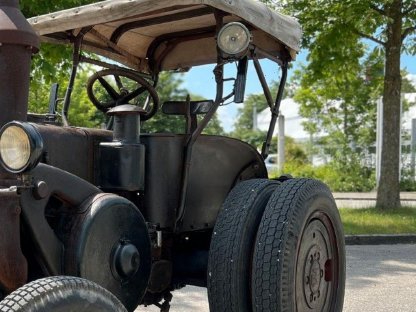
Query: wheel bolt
[(322, 273)]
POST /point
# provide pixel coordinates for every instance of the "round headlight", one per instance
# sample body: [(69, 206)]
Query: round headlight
[(234, 38), (20, 147)]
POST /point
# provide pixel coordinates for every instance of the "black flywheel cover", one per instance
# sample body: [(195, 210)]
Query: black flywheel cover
[(108, 243)]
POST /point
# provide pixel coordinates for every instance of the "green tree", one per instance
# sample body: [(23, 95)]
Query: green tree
[(170, 89), (34, 7), (295, 155), (244, 128), (339, 100), (53, 62), (332, 27)]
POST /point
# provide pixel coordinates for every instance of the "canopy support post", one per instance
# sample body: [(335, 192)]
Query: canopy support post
[(76, 59), (275, 112), (188, 148), (274, 105)]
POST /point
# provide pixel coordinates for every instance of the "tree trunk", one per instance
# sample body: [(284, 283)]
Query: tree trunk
[(388, 193)]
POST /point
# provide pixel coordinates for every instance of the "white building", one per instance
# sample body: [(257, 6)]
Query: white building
[(294, 123)]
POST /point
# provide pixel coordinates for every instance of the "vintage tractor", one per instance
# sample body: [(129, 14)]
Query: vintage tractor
[(109, 219)]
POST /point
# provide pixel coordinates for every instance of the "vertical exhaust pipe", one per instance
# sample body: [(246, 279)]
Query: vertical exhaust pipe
[(18, 41)]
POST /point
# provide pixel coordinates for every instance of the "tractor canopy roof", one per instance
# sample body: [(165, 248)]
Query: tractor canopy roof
[(169, 34)]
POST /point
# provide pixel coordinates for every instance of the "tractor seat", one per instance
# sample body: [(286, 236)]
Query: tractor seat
[(188, 109), (181, 107)]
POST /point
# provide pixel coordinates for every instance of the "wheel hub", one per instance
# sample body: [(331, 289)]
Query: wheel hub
[(313, 277), (315, 251), (126, 260)]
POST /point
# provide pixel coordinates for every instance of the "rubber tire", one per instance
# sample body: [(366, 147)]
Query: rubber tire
[(287, 214), (61, 293), (231, 250)]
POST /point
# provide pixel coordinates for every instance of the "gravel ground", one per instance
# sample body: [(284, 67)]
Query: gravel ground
[(379, 278)]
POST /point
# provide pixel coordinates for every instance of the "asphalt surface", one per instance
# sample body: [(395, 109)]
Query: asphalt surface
[(379, 278)]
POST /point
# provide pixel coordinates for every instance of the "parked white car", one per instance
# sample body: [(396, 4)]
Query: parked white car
[(272, 163)]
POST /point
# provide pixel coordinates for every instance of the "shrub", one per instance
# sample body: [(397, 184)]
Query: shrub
[(351, 178)]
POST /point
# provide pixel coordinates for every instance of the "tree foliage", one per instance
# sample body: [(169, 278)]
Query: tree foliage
[(53, 62), (243, 126), (339, 102), (336, 29), (170, 89)]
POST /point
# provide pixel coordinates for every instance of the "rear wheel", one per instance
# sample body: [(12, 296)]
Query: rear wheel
[(299, 257), (229, 265), (61, 293)]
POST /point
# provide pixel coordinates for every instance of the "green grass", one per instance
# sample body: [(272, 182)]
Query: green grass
[(374, 221)]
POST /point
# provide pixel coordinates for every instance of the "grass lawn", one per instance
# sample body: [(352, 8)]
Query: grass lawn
[(373, 221)]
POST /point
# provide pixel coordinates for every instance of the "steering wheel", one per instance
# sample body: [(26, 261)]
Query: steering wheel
[(112, 87)]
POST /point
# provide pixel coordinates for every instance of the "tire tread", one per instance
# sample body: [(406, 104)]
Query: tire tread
[(30, 296), (276, 229), (226, 244)]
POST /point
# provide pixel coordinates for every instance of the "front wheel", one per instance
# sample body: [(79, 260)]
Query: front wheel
[(61, 293), (299, 256)]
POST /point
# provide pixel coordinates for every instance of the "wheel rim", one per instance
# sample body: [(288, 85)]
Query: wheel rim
[(317, 266)]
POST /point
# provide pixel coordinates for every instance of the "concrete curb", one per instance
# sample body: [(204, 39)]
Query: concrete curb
[(380, 239)]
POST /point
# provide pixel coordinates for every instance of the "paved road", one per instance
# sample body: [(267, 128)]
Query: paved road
[(379, 278)]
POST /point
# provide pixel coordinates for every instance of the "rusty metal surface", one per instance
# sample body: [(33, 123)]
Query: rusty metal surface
[(15, 65), (14, 28), (17, 42), (79, 153), (13, 265)]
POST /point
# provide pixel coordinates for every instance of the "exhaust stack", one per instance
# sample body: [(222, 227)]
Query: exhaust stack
[(18, 41)]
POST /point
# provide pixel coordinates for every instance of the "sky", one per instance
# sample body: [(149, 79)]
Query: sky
[(200, 80)]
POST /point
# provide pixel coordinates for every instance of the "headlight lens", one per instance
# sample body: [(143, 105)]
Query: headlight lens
[(20, 147), (234, 38)]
